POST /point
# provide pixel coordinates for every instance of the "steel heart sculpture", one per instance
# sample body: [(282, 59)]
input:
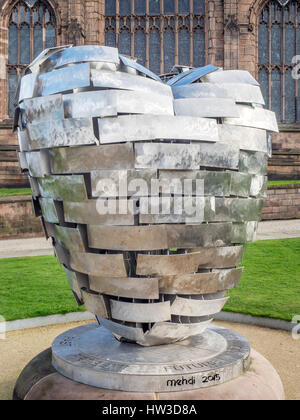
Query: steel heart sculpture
[(149, 190)]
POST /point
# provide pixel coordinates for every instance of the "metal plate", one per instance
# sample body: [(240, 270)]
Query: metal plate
[(58, 133), (99, 265), (99, 103), (63, 80), (85, 159), (38, 61), (254, 117), (49, 210), (128, 287), (22, 161), (237, 210), (140, 312), (246, 138), (94, 303), (122, 183), (34, 185), (168, 265), (244, 232), (200, 283), (89, 354), (77, 282), (240, 184), (23, 140), (130, 333), (86, 213), (148, 127), (237, 91), (192, 75), (259, 186), (230, 76), (130, 63), (119, 80), (38, 163), (186, 156), (27, 86), (43, 109), (158, 237), (70, 238), (206, 107), (81, 54), (255, 163), (195, 307), (67, 187)]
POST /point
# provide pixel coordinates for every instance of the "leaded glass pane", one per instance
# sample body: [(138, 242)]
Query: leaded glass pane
[(22, 14), (276, 93), (290, 100), (12, 85), (290, 43), (140, 7), (276, 44), (125, 7), (13, 44), (169, 50), (263, 41), (184, 47), (154, 48), (154, 7), (110, 7), (169, 6), (110, 38), (184, 6), (50, 36), (263, 79), (199, 7), (199, 48), (38, 40), (25, 44), (125, 42), (140, 46)]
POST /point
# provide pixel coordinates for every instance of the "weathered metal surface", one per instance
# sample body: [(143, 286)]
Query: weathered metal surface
[(99, 265), (34, 185), (39, 60), (132, 238), (43, 109), (244, 232), (140, 312), (23, 140), (200, 283), (259, 186), (49, 210), (92, 356), (38, 163), (122, 183), (168, 265), (94, 303), (63, 187), (77, 281), (58, 133), (184, 156), (254, 117), (128, 287), (130, 333), (27, 86), (63, 80), (246, 138), (239, 92), (69, 160), (206, 107), (236, 210), (119, 80), (195, 307), (70, 238), (131, 63), (230, 76), (87, 213), (192, 75), (81, 54), (148, 127), (240, 184), (99, 103), (255, 163), (22, 161)]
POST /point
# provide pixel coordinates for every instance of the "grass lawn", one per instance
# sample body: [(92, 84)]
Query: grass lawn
[(7, 192), (270, 285), (31, 287), (270, 183)]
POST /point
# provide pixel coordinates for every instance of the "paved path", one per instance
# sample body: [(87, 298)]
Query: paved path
[(278, 347), (279, 229)]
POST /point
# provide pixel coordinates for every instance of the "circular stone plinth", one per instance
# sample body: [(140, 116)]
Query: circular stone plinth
[(92, 356)]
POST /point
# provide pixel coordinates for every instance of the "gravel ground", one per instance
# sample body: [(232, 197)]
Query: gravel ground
[(278, 347)]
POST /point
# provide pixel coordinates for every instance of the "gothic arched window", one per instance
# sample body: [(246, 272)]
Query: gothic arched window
[(32, 28), (159, 33), (278, 43)]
